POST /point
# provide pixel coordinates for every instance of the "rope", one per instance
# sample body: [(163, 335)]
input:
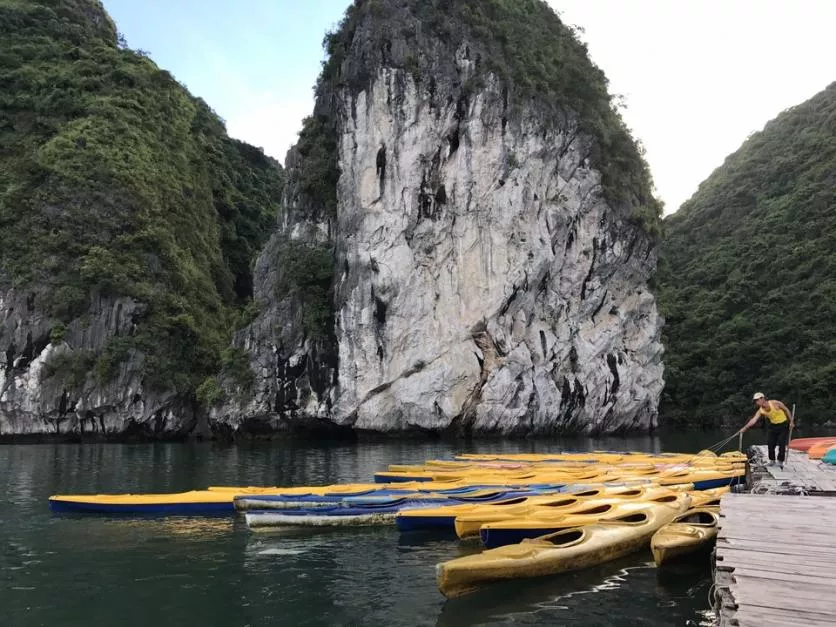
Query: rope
[(719, 445)]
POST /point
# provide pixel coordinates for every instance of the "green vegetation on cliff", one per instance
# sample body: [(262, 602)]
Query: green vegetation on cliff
[(748, 275), (522, 42), (114, 180)]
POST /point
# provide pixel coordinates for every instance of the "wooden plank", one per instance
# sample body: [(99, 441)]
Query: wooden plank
[(817, 537), (786, 601), (777, 509), (755, 616), (779, 548), (776, 616), (747, 559), (776, 527), (770, 564), (774, 555), (787, 579), (794, 601), (820, 594), (781, 502)]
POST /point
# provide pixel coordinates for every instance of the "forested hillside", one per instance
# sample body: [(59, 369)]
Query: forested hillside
[(748, 276), (115, 182)]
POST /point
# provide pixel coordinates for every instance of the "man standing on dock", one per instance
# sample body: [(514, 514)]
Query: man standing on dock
[(780, 421)]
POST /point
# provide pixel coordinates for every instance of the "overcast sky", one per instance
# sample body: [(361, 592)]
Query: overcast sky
[(698, 76)]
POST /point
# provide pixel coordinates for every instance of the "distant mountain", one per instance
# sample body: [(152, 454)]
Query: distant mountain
[(129, 221), (748, 276)]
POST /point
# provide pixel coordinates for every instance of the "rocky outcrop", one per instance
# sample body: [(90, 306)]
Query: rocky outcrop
[(486, 284), (295, 381), (483, 283), (48, 386)]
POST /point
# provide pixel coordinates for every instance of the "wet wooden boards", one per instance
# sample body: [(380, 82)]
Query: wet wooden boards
[(775, 561), (800, 475)]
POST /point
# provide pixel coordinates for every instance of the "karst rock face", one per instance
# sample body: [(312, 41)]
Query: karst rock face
[(482, 282), (461, 247)]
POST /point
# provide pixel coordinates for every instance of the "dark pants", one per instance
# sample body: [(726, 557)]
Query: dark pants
[(778, 435)]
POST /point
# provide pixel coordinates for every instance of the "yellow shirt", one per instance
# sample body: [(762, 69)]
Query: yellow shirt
[(773, 413)]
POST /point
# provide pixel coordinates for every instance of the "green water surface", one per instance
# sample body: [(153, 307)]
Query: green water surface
[(85, 570)]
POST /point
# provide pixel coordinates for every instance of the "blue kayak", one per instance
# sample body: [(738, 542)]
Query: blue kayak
[(830, 457), (318, 502), (369, 514)]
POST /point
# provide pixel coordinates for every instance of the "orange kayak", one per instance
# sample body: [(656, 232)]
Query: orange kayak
[(804, 444), (817, 451)]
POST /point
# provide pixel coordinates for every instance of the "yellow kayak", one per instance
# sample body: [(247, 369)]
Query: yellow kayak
[(693, 531), (541, 522), (704, 479), (564, 551), (444, 517), (194, 502), (468, 525), (707, 498)]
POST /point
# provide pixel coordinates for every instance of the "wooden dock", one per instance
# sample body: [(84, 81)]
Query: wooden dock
[(775, 561), (800, 475)]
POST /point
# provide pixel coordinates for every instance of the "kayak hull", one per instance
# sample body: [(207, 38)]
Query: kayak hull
[(469, 525), (445, 517), (691, 533), (818, 451), (804, 444), (188, 503), (567, 550), (510, 532)]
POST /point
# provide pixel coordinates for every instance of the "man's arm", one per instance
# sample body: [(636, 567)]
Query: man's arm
[(752, 422)]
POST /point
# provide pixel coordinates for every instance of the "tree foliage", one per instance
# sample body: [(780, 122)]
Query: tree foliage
[(115, 180), (748, 275)]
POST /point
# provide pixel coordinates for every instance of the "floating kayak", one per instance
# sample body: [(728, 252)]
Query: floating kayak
[(198, 502), (371, 514), (469, 524), (704, 479), (693, 531), (830, 457), (804, 444), (495, 477), (516, 530), (445, 517), (707, 498), (564, 551), (281, 501)]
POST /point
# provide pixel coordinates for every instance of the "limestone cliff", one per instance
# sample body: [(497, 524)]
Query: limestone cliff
[(128, 224), (463, 242), (490, 254)]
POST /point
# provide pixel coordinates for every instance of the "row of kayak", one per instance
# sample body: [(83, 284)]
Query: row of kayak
[(533, 514), (400, 495), (513, 521), (487, 477)]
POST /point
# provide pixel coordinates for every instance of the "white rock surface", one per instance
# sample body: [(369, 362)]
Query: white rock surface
[(475, 233)]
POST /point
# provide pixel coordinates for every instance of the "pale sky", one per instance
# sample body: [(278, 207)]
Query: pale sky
[(698, 76)]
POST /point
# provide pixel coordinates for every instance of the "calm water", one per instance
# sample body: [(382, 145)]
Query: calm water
[(88, 570)]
